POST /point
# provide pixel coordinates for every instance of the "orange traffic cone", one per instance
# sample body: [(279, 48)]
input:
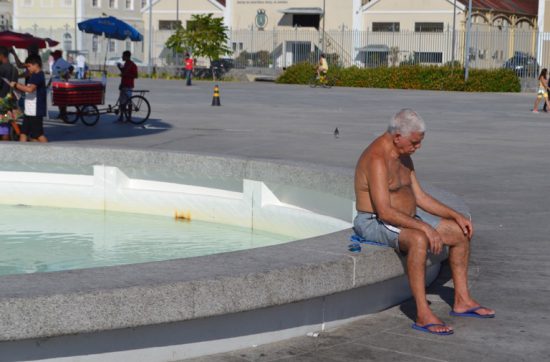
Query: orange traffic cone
[(216, 98)]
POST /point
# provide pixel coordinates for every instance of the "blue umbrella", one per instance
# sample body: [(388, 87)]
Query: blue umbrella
[(111, 28)]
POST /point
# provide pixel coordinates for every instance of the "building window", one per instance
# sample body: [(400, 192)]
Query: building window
[(428, 27), (306, 20), (392, 27), (4, 23), (27, 3), (129, 45), (112, 4), (96, 4), (46, 3), (112, 45), (169, 24), (129, 5), (428, 57), (143, 3), (67, 41), (95, 44), (66, 3)]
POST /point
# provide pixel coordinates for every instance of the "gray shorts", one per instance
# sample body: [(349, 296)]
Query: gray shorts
[(368, 226)]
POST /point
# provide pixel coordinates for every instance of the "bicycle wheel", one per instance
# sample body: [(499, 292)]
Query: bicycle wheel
[(89, 115), (72, 115), (314, 81), (137, 110), (328, 83)]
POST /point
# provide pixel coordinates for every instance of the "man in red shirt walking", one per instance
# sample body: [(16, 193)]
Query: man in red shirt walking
[(128, 72), (188, 68)]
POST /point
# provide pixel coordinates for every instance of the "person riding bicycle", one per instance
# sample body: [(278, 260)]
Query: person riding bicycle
[(128, 72), (322, 67)]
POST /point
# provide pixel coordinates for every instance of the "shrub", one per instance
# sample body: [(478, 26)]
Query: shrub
[(411, 77), (299, 73)]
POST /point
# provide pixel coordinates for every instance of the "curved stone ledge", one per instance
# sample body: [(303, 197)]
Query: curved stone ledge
[(91, 300)]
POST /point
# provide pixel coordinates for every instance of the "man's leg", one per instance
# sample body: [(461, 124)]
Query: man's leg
[(415, 244), (459, 256)]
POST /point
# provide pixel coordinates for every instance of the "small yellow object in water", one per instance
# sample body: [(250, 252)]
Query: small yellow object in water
[(182, 216)]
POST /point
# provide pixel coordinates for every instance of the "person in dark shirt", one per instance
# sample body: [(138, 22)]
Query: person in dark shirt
[(128, 72), (35, 101), (7, 71)]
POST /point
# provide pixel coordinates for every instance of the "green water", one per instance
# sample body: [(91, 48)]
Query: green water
[(42, 239)]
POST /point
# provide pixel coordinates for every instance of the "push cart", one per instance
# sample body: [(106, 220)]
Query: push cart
[(82, 98)]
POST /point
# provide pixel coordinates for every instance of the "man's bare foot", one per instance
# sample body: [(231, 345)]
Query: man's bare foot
[(438, 326), (472, 307)]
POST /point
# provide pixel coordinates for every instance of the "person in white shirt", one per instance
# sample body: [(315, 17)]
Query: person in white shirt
[(80, 66), (61, 70)]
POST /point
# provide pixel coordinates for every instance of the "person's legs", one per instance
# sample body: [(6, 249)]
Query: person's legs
[(459, 255), (415, 244), (188, 74)]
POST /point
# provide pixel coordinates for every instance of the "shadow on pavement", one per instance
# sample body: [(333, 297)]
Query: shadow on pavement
[(107, 127)]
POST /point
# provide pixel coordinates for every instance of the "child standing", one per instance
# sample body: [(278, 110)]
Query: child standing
[(35, 101)]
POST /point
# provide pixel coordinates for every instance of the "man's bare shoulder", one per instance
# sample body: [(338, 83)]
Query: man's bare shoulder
[(374, 151)]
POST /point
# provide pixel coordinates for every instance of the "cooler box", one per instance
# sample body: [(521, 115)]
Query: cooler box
[(77, 93)]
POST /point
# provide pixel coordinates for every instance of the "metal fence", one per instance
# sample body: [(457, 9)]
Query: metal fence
[(524, 51), (489, 49)]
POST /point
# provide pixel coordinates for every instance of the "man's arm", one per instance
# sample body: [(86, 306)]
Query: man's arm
[(433, 206)]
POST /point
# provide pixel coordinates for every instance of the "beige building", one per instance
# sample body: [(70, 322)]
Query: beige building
[(6, 7), (423, 31), (58, 20)]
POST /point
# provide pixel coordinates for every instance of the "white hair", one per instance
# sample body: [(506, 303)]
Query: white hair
[(405, 122)]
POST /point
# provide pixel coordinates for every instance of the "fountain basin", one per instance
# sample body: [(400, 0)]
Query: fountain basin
[(188, 307)]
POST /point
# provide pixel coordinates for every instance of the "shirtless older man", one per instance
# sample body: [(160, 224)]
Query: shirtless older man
[(393, 209)]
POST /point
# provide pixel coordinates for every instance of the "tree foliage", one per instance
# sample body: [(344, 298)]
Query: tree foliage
[(205, 36)]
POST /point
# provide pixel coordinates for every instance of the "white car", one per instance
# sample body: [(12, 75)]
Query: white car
[(115, 60)]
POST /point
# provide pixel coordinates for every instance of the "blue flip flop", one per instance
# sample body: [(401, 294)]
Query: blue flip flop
[(425, 328), (472, 313)]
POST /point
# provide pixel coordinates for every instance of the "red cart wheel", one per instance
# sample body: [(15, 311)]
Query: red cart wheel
[(89, 115)]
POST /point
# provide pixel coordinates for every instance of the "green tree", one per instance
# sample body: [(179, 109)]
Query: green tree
[(205, 35)]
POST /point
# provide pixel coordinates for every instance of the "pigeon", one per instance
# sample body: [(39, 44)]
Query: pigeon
[(336, 133)]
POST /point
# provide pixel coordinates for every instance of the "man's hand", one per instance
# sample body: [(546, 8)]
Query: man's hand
[(465, 225), (13, 84), (434, 239)]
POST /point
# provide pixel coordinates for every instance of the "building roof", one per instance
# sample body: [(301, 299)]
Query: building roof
[(520, 7)]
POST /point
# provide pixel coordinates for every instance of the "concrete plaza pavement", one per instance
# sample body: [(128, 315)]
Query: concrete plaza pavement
[(487, 148)]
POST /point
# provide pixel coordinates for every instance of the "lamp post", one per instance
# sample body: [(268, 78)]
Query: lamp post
[(454, 35), (75, 26), (150, 61), (467, 50), (324, 16)]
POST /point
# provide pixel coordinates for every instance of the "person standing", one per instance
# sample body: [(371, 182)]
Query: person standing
[(7, 70), (35, 101), (188, 68), (80, 66), (542, 92), (60, 72), (10, 73), (128, 73)]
